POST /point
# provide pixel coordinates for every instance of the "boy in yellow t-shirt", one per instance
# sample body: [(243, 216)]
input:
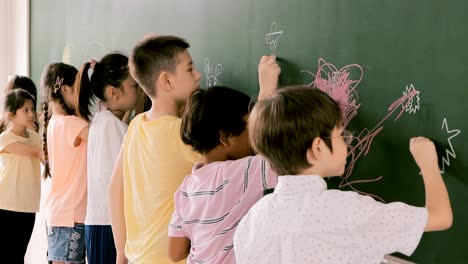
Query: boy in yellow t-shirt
[(153, 160)]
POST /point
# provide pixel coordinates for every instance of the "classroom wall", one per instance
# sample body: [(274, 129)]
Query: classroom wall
[(14, 39)]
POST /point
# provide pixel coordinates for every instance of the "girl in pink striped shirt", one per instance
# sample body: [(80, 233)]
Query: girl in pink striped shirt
[(212, 200)]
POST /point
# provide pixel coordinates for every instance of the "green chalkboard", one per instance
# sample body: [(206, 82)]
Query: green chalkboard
[(403, 61)]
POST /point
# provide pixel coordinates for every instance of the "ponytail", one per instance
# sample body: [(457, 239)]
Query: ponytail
[(84, 96)]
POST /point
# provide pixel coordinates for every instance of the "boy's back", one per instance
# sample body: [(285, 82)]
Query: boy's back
[(302, 222), (155, 162), (307, 223), (212, 200)]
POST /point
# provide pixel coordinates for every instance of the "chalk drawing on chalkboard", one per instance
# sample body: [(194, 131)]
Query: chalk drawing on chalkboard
[(273, 37), (413, 105), (212, 76), (340, 85), (360, 145), (449, 152)]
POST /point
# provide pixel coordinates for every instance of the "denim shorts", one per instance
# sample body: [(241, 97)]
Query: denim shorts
[(66, 244)]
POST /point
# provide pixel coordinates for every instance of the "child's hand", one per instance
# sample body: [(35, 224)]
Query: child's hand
[(121, 258), (424, 152), (268, 74)]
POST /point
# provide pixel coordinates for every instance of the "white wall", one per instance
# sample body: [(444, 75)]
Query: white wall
[(14, 39), (4, 59)]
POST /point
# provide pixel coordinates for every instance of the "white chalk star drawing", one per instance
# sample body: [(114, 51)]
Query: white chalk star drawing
[(449, 152), (412, 105)]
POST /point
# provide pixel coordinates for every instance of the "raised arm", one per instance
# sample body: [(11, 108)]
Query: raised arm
[(268, 74), (440, 214)]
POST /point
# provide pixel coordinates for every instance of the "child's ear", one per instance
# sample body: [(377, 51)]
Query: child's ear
[(224, 138), (63, 90), (9, 116), (165, 81), (315, 151), (66, 90), (112, 92)]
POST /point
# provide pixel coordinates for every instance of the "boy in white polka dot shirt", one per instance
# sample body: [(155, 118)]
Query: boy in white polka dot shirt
[(299, 131)]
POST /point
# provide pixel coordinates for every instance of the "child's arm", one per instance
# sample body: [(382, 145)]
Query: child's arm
[(116, 208), (179, 248), (82, 136), (268, 74), (22, 149), (179, 245), (440, 214)]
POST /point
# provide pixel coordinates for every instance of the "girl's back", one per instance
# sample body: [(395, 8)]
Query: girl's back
[(105, 138), (66, 203)]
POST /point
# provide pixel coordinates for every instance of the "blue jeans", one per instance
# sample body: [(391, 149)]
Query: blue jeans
[(66, 244)]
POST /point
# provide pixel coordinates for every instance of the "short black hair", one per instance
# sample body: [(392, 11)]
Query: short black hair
[(210, 112)]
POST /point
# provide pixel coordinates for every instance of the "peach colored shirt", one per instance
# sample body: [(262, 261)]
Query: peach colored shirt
[(66, 203)]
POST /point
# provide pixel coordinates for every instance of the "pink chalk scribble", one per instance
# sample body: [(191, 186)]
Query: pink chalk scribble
[(338, 84), (360, 144)]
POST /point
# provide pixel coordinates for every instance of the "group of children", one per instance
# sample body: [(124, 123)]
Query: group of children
[(206, 175)]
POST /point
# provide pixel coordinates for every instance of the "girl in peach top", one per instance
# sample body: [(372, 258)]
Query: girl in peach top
[(66, 94)]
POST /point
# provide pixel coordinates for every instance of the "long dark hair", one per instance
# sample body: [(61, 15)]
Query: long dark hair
[(13, 101), (111, 70), (56, 75), (22, 82)]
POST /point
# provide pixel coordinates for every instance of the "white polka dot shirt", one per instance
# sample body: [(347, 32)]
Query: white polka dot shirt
[(303, 222)]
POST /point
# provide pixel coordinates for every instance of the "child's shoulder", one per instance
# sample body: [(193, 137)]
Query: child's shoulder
[(105, 118), (9, 136), (246, 161), (67, 119), (234, 167), (34, 134), (348, 197), (5, 133), (163, 121), (6, 136), (35, 138), (265, 207)]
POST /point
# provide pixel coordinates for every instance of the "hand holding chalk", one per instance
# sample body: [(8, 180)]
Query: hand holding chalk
[(268, 75)]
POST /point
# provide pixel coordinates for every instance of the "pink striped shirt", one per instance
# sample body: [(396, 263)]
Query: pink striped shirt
[(210, 203)]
